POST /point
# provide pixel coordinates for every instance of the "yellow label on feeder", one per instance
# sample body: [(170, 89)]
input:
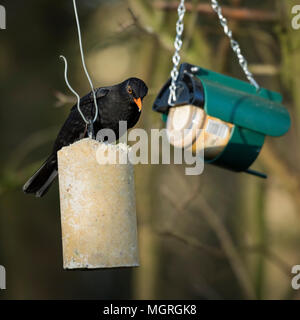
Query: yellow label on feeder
[(190, 127), (215, 134)]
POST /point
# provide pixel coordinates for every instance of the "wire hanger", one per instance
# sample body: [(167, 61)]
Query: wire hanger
[(89, 122)]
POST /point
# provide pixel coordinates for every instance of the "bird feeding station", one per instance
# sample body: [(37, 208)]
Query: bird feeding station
[(233, 116), (97, 199)]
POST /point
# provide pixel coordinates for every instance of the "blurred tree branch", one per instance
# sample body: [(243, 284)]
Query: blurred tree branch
[(287, 178), (217, 253), (222, 234), (63, 99), (135, 22), (232, 13), (14, 173)]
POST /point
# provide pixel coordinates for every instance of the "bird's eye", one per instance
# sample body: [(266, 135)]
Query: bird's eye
[(129, 90)]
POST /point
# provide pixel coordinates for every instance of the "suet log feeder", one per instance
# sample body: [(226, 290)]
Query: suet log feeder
[(234, 116), (98, 214)]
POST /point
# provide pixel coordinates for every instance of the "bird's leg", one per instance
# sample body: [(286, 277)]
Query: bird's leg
[(85, 130), (89, 129)]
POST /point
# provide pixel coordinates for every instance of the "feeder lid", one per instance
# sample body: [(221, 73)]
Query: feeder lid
[(189, 91), (228, 99)]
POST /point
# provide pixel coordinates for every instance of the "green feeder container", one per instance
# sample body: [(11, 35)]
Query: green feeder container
[(253, 113)]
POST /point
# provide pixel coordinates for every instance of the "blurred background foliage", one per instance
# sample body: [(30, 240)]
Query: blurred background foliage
[(221, 235)]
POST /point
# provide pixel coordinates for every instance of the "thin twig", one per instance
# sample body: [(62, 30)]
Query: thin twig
[(217, 253), (271, 256), (63, 99), (193, 242), (136, 23)]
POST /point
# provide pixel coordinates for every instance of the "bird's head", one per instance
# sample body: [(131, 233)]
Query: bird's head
[(136, 90)]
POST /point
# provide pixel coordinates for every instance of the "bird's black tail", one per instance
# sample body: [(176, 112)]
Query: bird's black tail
[(41, 181)]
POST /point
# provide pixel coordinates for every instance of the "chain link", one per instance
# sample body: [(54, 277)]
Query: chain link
[(178, 44), (234, 44), (176, 56)]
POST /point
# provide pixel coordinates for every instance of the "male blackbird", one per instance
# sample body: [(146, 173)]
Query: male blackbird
[(121, 102)]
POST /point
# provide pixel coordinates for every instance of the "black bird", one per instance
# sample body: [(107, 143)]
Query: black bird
[(121, 102)]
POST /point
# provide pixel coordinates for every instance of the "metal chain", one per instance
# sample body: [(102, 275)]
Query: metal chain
[(234, 44), (176, 56)]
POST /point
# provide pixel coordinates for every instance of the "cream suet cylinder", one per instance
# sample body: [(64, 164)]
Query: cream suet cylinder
[(98, 213)]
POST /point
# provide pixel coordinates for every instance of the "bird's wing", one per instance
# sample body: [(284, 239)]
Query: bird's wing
[(89, 98), (74, 125)]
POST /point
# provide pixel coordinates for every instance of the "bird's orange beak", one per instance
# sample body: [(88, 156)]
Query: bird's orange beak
[(138, 103)]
